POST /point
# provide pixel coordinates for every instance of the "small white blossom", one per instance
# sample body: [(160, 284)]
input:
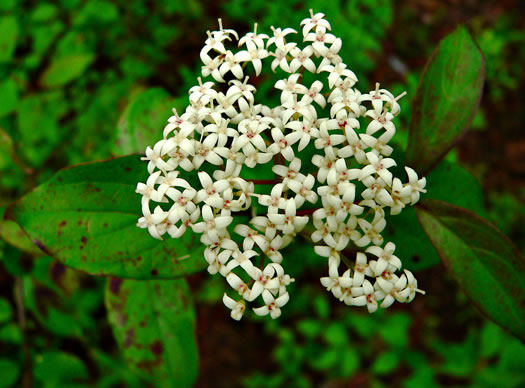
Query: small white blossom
[(237, 307), (272, 305)]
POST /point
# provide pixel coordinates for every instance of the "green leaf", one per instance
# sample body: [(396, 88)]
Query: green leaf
[(34, 112), (310, 328), (59, 368), (8, 96), (11, 232), (364, 325), (451, 183), (491, 340), (446, 100), (6, 5), (349, 362), (326, 360), (412, 244), (97, 11), (10, 333), (66, 69), (459, 358), (336, 334), (447, 182), (153, 322), (482, 259), (386, 363), (421, 377), (44, 12), (85, 217), (395, 330), (9, 370), (8, 37), (142, 122), (513, 358), (6, 311)]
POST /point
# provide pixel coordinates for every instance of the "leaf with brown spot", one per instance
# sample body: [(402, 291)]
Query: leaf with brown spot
[(157, 336), (446, 100), (98, 203), (485, 263)]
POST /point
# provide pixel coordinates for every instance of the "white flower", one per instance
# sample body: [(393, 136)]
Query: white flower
[(272, 251), (187, 220), (253, 38), (211, 67), (275, 200), (272, 305), (289, 222), (326, 140), (205, 151), (290, 87), (412, 286), (354, 148), (238, 285), (264, 280), (378, 97), (203, 92), (231, 64), (386, 258), (148, 190), (278, 37), (381, 121), (301, 58), (303, 131), (378, 165), (330, 54), (217, 262), (241, 89), (237, 307), (319, 38), (254, 54), (288, 173), (303, 190), (337, 72), (294, 109), (372, 231), (153, 222), (281, 59), (314, 21), (364, 295), (416, 185), (154, 159), (213, 225), (250, 133), (281, 145), (251, 237)]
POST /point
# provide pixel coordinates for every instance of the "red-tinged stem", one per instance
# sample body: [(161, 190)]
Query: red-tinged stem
[(305, 212), (261, 262), (264, 181)]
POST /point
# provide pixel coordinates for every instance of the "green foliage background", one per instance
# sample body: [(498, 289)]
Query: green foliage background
[(79, 79)]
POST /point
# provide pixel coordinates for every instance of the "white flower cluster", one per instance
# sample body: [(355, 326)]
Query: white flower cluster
[(224, 132)]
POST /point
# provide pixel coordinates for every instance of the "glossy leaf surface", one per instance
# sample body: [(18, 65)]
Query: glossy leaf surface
[(482, 259), (85, 216), (153, 323), (446, 100)]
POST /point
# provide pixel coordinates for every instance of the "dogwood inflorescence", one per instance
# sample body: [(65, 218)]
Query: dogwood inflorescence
[(327, 146)]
